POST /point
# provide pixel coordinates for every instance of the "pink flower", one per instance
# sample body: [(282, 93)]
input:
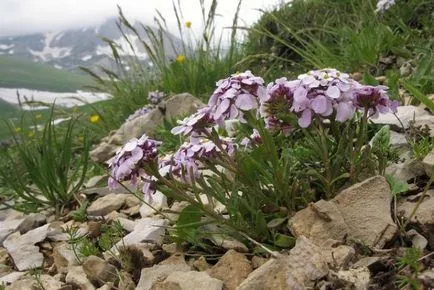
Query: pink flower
[(236, 95), (196, 124)]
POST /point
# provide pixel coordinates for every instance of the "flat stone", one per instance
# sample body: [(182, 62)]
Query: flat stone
[(7, 227), (299, 270), (360, 212), (45, 281), (77, 277), (150, 230), (11, 277), (191, 280), (31, 222), (232, 268), (149, 276), (354, 278), (428, 163), (158, 202), (64, 258), (98, 270), (126, 224), (106, 204), (405, 114), (424, 217), (340, 256)]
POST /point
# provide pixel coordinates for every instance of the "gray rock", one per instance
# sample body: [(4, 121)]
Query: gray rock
[(360, 212), (32, 221), (150, 230), (405, 114), (11, 277), (77, 277), (357, 279), (126, 224), (424, 217), (106, 204), (7, 227), (398, 140), (149, 276), (366, 262), (299, 270), (46, 282), (232, 268), (64, 258), (191, 280), (159, 201), (22, 250), (417, 240), (428, 163), (98, 270), (94, 181), (340, 256), (174, 107)]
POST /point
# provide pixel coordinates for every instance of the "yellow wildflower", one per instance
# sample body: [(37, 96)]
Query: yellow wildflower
[(18, 129), (81, 138), (31, 134), (180, 58), (94, 118), (188, 24), (38, 116)]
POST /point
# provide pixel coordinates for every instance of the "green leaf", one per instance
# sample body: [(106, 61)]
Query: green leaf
[(381, 140), (369, 79), (418, 95), (274, 223), (284, 241), (187, 224), (396, 186)]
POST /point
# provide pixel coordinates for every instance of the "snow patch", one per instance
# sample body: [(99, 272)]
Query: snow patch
[(86, 57), (6, 47), (58, 66), (49, 52), (72, 99), (125, 48), (11, 51)]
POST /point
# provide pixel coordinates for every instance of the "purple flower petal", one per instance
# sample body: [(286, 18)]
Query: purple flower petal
[(246, 102), (344, 111), (333, 92), (319, 104), (306, 119)]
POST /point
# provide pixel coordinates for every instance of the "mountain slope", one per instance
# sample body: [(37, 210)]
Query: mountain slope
[(79, 47), (22, 73)]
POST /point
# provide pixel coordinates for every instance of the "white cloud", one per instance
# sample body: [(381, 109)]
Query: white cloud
[(31, 16)]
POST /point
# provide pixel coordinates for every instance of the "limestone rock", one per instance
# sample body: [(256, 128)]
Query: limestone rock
[(11, 277), (232, 269), (149, 276), (32, 221), (22, 250), (426, 121), (357, 279), (64, 258), (424, 217), (201, 264), (405, 114), (106, 204), (126, 224), (99, 270), (174, 107), (77, 277), (428, 163), (7, 227), (3, 256), (159, 201), (340, 256), (360, 212), (47, 282), (146, 230), (191, 280), (299, 270)]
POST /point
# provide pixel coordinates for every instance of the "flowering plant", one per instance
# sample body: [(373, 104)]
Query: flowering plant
[(300, 142)]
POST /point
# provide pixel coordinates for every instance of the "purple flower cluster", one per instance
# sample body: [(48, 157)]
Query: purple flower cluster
[(196, 124), (325, 93), (184, 163), (155, 97), (236, 95), (129, 161)]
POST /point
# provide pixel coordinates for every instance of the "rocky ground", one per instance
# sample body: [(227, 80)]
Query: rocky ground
[(350, 242)]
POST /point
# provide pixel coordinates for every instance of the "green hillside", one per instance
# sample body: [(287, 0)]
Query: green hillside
[(20, 73)]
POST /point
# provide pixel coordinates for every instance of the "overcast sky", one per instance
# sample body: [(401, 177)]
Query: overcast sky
[(30, 16)]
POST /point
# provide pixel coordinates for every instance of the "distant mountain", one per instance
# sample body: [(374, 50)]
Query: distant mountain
[(70, 49)]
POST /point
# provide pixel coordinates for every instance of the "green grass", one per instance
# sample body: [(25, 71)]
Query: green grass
[(21, 73)]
